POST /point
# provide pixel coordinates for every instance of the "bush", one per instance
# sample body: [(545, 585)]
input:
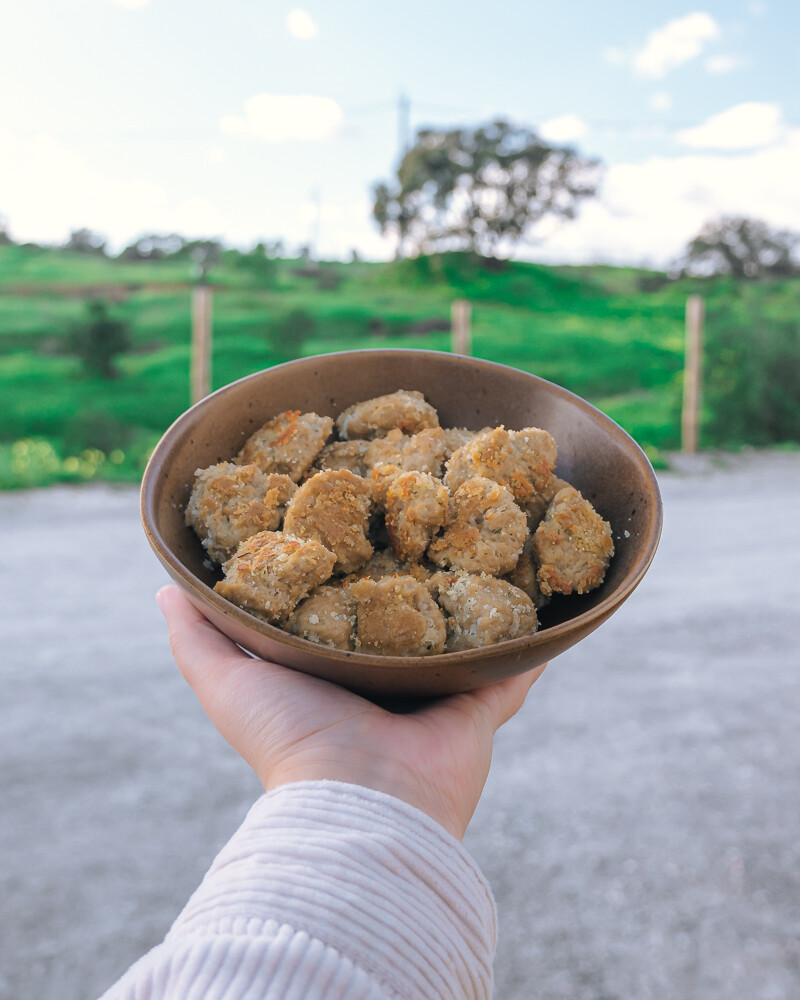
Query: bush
[(99, 339), (752, 382)]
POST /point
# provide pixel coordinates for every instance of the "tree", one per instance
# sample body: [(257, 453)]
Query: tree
[(154, 246), (744, 248), (99, 339), (86, 241), (287, 335), (5, 235), (480, 188)]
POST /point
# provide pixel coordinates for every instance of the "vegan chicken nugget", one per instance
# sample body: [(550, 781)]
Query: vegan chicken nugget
[(572, 546), (482, 609), (404, 410), (421, 452), (417, 505), (341, 455), (522, 460), (287, 443), (272, 572), (333, 507), (326, 616), (397, 617), (229, 503), (486, 531)]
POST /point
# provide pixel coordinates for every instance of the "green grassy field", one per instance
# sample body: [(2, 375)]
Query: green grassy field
[(612, 335)]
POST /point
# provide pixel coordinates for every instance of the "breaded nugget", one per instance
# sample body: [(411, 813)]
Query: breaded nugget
[(326, 616), (381, 478), (333, 507), (422, 452), (486, 531), (457, 437), (482, 610), (405, 410), (341, 455), (272, 572), (535, 506), (397, 617), (521, 460), (385, 563), (287, 443), (417, 505), (231, 502), (523, 575), (572, 546)]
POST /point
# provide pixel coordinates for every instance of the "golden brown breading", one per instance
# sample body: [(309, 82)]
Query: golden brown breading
[(486, 531), (381, 478), (231, 502), (405, 410), (572, 546), (535, 506), (455, 438), (333, 507), (397, 617), (326, 616), (523, 575), (417, 505), (422, 452), (385, 563), (287, 443), (521, 460), (341, 455), (482, 610), (272, 572)]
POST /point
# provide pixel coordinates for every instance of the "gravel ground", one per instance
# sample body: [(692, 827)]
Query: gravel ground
[(639, 828)]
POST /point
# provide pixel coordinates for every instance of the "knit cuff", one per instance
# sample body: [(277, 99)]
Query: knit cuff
[(364, 873)]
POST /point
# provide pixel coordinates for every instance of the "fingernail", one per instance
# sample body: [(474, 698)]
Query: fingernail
[(160, 598)]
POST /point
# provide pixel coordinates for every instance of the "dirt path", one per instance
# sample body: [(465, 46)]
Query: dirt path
[(639, 827)]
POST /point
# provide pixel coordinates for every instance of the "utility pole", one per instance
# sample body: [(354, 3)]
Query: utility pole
[(316, 198), (403, 125)]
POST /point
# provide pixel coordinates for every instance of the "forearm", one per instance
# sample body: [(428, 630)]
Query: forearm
[(329, 890)]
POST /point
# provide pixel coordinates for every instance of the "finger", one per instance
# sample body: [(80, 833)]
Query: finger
[(202, 652), (503, 700)]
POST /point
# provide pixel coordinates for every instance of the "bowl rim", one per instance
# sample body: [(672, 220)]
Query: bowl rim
[(508, 648)]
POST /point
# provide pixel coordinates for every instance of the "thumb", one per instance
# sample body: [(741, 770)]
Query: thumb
[(503, 700)]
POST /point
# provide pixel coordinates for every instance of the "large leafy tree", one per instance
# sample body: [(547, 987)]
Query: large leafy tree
[(744, 248), (481, 189)]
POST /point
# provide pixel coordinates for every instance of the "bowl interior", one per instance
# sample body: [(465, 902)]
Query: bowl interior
[(594, 454)]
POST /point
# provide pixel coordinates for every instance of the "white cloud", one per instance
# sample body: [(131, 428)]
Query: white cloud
[(672, 45), (565, 128), (283, 117), (301, 24), (744, 126), (49, 190), (647, 212), (722, 64), (661, 100)]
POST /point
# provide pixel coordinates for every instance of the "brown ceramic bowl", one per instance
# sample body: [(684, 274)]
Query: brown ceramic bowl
[(594, 454)]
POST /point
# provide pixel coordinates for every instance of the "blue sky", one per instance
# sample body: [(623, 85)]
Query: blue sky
[(249, 120)]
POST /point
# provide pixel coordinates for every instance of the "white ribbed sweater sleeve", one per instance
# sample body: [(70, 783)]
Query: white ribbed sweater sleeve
[(328, 891)]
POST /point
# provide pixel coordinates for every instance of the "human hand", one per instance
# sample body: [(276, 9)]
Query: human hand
[(290, 727)]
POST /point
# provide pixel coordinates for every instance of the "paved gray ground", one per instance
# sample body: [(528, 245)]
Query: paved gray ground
[(640, 826)]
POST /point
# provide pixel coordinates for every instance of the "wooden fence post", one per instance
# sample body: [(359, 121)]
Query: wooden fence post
[(692, 374), (201, 342), (460, 334)]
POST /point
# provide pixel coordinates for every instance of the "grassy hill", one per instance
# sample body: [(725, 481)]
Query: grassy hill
[(613, 335)]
